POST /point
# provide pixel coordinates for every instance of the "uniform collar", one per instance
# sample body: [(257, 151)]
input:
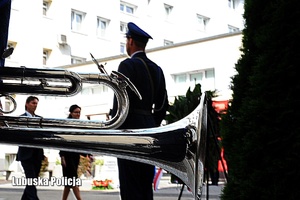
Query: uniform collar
[(28, 114), (132, 55)]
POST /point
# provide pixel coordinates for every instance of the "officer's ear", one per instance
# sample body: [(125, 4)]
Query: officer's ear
[(130, 41)]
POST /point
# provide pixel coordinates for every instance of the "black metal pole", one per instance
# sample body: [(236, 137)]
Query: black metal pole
[(180, 194), (207, 167), (5, 6)]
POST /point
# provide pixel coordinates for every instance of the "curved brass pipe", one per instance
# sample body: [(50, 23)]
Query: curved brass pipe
[(57, 82), (40, 80)]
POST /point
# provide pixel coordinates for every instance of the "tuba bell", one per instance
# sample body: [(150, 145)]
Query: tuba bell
[(179, 148)]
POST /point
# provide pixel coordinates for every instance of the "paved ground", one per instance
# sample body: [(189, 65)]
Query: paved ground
[(166, 191)]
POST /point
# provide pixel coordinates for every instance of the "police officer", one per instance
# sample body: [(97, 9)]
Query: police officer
[(136, 178)]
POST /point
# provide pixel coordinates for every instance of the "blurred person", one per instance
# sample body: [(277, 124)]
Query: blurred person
[(31, 158), (70, 160)]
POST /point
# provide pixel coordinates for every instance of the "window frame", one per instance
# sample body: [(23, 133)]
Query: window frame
[(123, 26), (46, 56), (168, 42), (168, 9), (232, 29), (124, 6), (122, 48), (101, 32), (77, 60), (233, 4), (202, 22), (206, 82), (46, 6), (77, 26), (95, 90)]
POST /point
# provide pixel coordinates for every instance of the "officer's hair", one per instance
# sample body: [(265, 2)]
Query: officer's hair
[(30, 98), (140, 44)]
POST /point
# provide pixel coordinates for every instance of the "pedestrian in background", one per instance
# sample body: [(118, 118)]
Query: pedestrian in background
[(31, 158), (70, 161)]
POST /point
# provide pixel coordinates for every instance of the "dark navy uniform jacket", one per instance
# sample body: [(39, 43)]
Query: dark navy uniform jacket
[(25, 153), (140, 111)]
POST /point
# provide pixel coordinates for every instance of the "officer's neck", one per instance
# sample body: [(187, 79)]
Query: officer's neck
[(136, 53)]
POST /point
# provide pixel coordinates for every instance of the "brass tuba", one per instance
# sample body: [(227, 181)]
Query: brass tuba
[(179, 147)]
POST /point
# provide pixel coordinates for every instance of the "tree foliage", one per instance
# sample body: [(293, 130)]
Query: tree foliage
[(260, 130), (184, 105)]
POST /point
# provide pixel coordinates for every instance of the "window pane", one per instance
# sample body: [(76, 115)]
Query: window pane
[(129, 9), (168, 42), (102, 25), (196, 78), (78, 18), (76, 21), (85, 91), (122, 48), (181, 78), (209, 73), (97, 90), (75, 60), (45, 8), (45, 57), (168, 9)]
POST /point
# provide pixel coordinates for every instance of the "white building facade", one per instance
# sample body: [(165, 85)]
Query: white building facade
[(193, 41)]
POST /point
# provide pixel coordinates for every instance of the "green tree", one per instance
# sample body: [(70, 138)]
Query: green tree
[(260, 130), (183, 106)]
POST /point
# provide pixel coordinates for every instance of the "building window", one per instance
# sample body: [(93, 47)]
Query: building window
[(189, 79), (127, 8), (102, 25), (77, 20), (6, 103), (193, 77), (233, 4), (123, 27), (9, 159), (168, 42), (232, 29), (62, 39), (46, 55), (76, 60), (95, 90), (202, 21), (46, 5), (196, 77), (122, 48), (168, 9), (179, 78)]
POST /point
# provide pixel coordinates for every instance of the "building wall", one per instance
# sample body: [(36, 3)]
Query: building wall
[(32, 31), (220, 52)]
